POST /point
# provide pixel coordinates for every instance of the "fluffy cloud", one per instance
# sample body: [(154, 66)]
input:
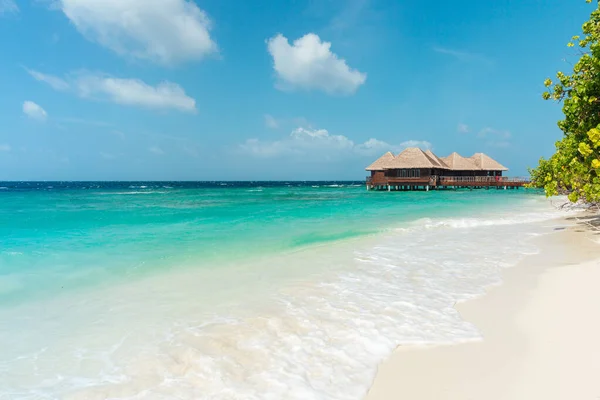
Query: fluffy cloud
[(320, 143), (374, 147), (422, 144), (309, 64), (34, 111), (7, 6), (130, 92), (163, 31), (134, 92)]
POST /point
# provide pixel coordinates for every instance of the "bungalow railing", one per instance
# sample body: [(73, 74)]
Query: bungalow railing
[(397, 179), (448, 180), (482, 179), (391, 179)]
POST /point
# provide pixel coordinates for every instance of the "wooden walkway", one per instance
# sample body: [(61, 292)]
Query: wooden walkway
[(444, 182)]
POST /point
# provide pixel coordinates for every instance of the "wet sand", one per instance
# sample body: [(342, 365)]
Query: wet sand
[(541, 331)]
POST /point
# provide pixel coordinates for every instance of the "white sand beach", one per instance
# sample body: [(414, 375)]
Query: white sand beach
[(541, 332)]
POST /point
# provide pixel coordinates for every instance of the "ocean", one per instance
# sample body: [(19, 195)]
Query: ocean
[(240, 290)]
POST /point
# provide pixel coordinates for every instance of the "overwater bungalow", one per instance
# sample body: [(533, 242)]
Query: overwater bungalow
[(415, 169)]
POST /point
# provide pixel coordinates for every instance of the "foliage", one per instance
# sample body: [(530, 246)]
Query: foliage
[(575, 167)]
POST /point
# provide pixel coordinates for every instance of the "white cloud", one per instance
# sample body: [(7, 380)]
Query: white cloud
[(8, 6), (320, 143), (320, 137), (54, 81), (309, 64), (463, 128), (5, 147), (163, 31), (134, 92), (372, 146), (156, 150), (34, 111), (271, 122), (131, 92), (422, 144)]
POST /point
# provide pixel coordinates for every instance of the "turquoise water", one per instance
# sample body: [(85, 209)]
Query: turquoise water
[(62, 239), (239, 290)]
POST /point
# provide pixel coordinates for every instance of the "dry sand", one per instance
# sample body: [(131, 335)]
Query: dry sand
[(541, 332)]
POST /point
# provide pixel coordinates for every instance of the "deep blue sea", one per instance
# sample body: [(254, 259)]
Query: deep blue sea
[(239, 290)]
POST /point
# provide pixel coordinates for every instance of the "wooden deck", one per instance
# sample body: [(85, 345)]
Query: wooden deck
[(444, 182)]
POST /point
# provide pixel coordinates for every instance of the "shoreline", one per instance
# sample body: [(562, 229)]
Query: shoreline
[(538, 328), (315, 323)]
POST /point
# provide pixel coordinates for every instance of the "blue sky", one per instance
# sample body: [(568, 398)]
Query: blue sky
[(269, 90)]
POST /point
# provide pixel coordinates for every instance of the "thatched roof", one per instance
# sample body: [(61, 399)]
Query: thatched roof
[(381, 163), (436, 160), (487, 163), (411, 157), (457, 162), (414, 157)]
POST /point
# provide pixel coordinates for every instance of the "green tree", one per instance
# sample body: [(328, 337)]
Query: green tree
[(575, 167)]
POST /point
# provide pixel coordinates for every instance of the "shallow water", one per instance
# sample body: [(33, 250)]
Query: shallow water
[(239, 290)]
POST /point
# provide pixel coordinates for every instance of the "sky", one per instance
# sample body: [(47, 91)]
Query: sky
[(273, 90)]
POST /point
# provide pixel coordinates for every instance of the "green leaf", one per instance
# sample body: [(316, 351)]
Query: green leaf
[(574, 169)]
